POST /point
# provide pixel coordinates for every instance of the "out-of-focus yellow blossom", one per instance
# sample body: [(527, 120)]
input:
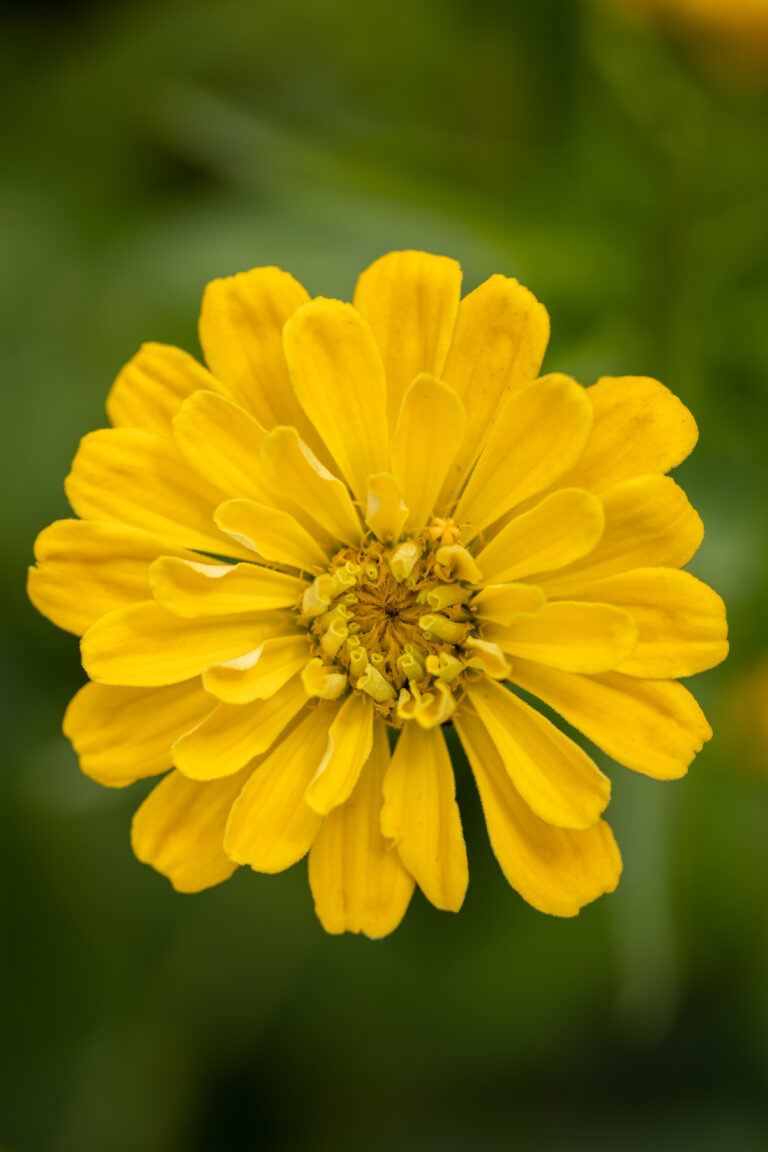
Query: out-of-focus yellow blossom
[(746, 711), (738, 28)]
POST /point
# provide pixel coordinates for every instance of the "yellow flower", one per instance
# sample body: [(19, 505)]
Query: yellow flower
[(738, 27), (349, 532)]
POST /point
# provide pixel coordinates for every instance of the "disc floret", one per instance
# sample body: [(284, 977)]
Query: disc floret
[(395, 622)]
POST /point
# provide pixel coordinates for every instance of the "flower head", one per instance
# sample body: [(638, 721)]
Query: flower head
[(353, 531)]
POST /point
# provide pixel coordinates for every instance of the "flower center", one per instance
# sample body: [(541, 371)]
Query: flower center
[(396, 623)]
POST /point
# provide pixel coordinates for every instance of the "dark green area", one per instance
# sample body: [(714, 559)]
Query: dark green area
[(149, 147)]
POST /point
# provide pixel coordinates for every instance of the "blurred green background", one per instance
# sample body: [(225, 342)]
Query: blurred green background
[(622, 174)]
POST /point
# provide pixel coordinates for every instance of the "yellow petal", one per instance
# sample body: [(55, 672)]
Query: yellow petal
[(290, 466), (179, 830), (338, 376), (421, 816), (324, 681), (274, 535), (151, 388), (138, 478), (498, 345), (572, 636), (85, 569), (681, 622), (261, 673), (221, 441), (563, 527), (429, 432), (640, 427), (648, 523), (241, 333), (271, 826), (486, 656), (349, 746), (230, 737), (501, 603), (557, 870), (192, 590), (385, 512), (539, 434), (143, 646), (552, 774), (652, 726), (125, 734), (359, 883), (410, 300)]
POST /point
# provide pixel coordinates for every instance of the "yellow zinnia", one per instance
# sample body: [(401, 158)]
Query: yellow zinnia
[(361, 522)]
